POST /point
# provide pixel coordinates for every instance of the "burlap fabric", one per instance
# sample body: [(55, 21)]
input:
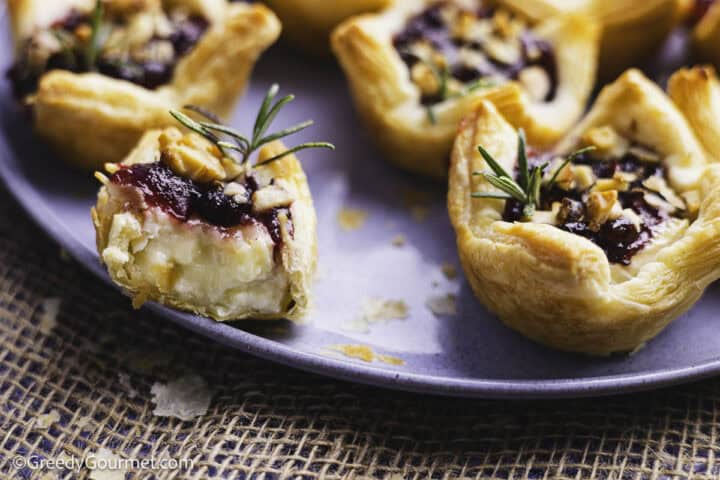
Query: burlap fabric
[(267, 421)]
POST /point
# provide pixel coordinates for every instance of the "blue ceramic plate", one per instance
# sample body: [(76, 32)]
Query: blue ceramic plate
[(467, 354)]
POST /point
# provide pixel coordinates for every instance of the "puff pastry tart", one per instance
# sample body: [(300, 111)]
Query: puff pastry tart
[(632, 29), (115, 67), (183, 222), (706, 34), (418, 67), (593, 250), (307, 24)]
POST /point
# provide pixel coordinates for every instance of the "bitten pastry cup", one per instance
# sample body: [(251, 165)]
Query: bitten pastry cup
[(307, 24), (213, 75), (389, 102), (222, 272), (696, 92), (631, 29), (559, 288)]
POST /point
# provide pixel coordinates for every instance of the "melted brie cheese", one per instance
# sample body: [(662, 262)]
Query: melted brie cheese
[(196, 266)]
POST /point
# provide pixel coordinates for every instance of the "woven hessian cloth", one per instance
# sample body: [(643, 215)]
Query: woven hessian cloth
[(267, 421)]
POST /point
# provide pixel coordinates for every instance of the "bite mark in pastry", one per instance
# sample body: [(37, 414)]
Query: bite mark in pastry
[(116, 67), (418, 67), (183, 222), (619, 240)]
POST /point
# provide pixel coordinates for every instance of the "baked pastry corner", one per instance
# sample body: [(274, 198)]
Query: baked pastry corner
[(307, 24), (412, 99), (624, 238), (696, 92), (130, 85)]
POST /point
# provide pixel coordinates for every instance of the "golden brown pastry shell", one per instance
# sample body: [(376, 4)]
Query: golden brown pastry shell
[(92, 119), (307, 24), (388, 102)]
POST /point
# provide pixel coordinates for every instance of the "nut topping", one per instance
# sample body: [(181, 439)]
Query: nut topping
[(191, 156)]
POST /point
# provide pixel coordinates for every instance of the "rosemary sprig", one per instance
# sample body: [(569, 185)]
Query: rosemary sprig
[(527, 189), (229, 140), (94, 45)]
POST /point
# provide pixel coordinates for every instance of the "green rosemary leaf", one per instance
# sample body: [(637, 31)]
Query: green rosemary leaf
[(303, 146), (284, 133), (267, 103), (231, 132), (523, 168), (581, 151), (204, 113), (230, 146), (507, 186), (189, 122), (566, 162), (431, 114), (493, 195), (479, 84), (93, 47), (528, 210), (495, 166), (270, 117)]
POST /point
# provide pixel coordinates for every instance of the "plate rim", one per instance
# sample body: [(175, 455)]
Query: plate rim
[(25, 194)]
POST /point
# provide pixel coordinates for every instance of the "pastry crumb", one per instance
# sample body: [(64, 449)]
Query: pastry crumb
[(390, 360), (420, 213), (48, 317), (351, 219), (360, 352), (106, 464), (449, 270), (185, 398), (442, 304), (45, 421), (124, 380), (380, 310), (418, 202), (366, 354), (399, 240)]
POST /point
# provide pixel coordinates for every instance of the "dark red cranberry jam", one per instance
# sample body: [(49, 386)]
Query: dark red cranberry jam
[(25, 74), (186, 199), (619, 238), (430, 26)]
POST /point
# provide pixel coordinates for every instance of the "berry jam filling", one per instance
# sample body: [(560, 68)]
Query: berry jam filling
[(472, 46), (186, 199), (61, 47), (621, 237)]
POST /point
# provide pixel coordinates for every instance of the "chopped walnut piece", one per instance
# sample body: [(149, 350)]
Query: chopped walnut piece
[(583, 176), (191, 156), (273, 196), (237, 191), (636, 219), (564, 178), (425, 79), (504, 51), (607, 141), (536, 82), (570, 211), (644, 155), (659, 185), (599, 208)]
